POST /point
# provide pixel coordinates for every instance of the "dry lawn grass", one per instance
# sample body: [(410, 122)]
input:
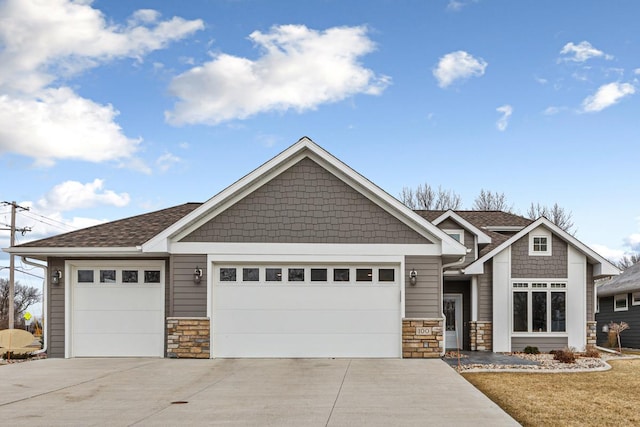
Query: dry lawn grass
[(609, 398)]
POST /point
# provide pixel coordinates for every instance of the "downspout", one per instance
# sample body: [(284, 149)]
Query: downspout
[(45, 326), (446, 266)]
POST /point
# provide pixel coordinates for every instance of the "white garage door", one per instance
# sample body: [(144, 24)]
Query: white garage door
[(306, 311), (117, 310)]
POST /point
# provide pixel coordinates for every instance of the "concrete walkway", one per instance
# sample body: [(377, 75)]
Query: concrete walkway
[(300, 392)]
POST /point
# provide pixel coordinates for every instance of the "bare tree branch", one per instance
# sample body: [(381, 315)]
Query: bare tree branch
[(424, 197), (25, 297), (491, 201), (556, 214)]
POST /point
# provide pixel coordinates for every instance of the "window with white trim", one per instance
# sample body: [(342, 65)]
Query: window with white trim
[(456, 234), (620, 302), (539, 307), (540, 242), (635, 298)]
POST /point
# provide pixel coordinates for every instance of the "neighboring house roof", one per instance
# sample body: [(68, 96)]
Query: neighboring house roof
[(628, 281), (124, 233), (602, 266)]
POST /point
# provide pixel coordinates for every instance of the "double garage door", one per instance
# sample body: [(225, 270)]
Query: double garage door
[(306, 311), (117, 309)]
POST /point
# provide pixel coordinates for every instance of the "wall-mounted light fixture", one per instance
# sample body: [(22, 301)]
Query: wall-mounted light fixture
[(56, 276), (413, 277), (197, 275)]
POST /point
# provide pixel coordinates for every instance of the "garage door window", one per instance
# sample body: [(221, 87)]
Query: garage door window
[(129, 276), (386, 275), (227, 274), (107, 276), (85, 276), (250, 274), (152, 276), (364, 275), (274, 274), (296, 274), (340, 274), (318, 274)]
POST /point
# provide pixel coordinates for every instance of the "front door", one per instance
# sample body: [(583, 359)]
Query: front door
[(452, 307)]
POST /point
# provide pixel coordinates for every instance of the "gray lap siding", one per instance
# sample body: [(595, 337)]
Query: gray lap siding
[(187, 298), (629, 338), (424, 300)]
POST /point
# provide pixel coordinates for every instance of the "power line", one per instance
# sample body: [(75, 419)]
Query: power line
[(31, 213), (24, 272)]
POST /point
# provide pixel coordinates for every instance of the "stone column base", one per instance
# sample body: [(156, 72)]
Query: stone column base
[(188, 337), (422, 338), (481, 335), (591, 333)]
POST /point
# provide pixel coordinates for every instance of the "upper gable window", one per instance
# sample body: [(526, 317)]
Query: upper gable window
[(539, 243), (457, 235)]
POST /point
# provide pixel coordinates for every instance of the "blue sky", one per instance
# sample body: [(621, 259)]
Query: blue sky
[(110, 109)]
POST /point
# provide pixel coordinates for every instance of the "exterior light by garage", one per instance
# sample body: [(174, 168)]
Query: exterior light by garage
[(197, 275), (413, 277), (56, 276)]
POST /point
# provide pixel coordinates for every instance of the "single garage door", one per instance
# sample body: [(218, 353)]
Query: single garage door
[(117, 310), (306, 311)]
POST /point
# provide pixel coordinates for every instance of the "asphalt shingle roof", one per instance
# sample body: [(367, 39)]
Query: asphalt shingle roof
[(127, 232), (482, 218), (628, 281)]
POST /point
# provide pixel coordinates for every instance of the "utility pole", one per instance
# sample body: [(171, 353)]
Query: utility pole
[(12, 228)]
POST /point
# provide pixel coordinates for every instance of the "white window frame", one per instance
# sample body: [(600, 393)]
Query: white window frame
[(458, 231), (635, 298), (533, 237), (536, 285), (620, 297)]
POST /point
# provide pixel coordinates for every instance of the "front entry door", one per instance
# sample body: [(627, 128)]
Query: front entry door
[(452, 307)]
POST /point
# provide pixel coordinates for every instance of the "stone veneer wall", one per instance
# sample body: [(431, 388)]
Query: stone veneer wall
[(188, 337), (425, 343), (591, 333), (481, 336)]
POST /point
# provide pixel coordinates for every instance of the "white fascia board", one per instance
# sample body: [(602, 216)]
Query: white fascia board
[(482, 237), (602, 265), (319, 250), (499, 228), (270, 169), (76, 251)]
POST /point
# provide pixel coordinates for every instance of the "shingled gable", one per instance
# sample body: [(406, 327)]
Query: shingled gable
[(483, 238), (121, 236), (304, 148), (602, 266)]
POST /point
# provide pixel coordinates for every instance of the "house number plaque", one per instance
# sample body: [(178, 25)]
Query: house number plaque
[(423, 331)]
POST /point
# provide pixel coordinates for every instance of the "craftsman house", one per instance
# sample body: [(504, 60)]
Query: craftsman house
[(619, 301), (304, 257)]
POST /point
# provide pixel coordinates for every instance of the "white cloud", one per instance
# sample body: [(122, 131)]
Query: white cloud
[(608, 253), (167, 161), (61, 125), (457, 5), (71, 195), (457, 66), (636, 71), (299, 69), (541, 80), (550, 111), (46, 41), (581, 52), (633, 241), (503, 121), (606, 96)]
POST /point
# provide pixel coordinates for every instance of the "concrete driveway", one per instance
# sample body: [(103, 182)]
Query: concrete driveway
[(300, 392)]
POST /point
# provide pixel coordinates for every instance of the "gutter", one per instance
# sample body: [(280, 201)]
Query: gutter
[(45, 326), (444, 266)]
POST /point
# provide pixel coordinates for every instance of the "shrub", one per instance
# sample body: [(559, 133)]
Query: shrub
[(591, 351), (531, 350), (567, 355), (9, 355)]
